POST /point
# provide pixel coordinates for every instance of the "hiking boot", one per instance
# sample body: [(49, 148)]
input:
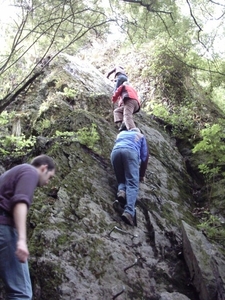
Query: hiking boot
[(122, 127), (121, 196), (118, 208), (127, 218)]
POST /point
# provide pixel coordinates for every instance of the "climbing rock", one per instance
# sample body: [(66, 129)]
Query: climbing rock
[(172, 296), (206, 266)]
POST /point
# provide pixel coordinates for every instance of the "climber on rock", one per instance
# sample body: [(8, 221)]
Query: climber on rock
[(129, 158), (128, 105)]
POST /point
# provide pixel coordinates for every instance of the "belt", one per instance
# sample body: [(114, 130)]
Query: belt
[(5, 213)]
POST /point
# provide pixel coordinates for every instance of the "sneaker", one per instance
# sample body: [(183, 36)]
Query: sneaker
[(118, 208), (127, 218), (121, 196), (122, 127)]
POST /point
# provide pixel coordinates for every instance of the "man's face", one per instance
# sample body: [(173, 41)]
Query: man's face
[(45, 175)]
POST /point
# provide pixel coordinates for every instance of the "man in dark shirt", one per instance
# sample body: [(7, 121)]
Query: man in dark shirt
[(17, 187)]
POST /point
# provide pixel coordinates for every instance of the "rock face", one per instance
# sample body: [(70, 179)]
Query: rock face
[(207, 268), (80, 248)]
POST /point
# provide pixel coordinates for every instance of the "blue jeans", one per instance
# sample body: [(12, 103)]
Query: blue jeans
[(126, 167), (120, 79), (14, 274)]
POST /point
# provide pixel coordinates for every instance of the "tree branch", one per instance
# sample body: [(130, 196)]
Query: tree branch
[(11, 98), (149, 6), (216, 3)]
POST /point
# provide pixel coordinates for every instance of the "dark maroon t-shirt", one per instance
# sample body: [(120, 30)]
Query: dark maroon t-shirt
[(17, 185)]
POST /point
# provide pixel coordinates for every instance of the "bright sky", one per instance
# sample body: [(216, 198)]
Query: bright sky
[(7, 15), (7, 12)]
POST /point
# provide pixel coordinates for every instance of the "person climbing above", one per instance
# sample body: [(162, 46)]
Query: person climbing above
[(128, 105), (120, 76), (129, 158)]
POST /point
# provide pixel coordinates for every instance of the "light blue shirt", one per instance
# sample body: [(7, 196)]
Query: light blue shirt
[(134, 140)]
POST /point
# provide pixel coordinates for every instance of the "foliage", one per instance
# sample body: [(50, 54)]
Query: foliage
[(180, 118), (181, 38), (218, 96), (16, 145), (174, 21), (41, 125), (69, 93), (136, 18), (10, 144), (175, 103), (213, 228), (85, 136), (88, 136), (4, 118), (65, 135), (213, 145)]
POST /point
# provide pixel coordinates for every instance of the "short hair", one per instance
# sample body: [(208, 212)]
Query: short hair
[(43, 160)]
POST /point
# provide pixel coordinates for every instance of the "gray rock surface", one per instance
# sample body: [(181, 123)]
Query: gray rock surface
[(172, 296), (206, 266)]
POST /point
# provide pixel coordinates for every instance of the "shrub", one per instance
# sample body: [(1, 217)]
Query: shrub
[(213, 228), (85, 136), (213, 146)]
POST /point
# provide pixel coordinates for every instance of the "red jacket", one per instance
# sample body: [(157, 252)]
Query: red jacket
[(125, 91)]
